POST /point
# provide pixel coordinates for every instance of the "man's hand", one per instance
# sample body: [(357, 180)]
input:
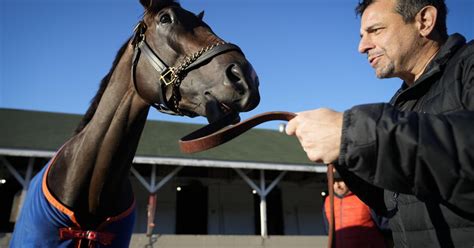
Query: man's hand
[(319, 132)]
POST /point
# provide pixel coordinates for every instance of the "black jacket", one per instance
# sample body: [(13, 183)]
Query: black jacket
[(413, 160)]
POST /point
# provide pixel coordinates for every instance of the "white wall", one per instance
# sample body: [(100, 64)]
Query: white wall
[(302, 209), (230, 208)]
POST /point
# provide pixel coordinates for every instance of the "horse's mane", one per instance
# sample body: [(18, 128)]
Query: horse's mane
[(152, 9), (103, 84)]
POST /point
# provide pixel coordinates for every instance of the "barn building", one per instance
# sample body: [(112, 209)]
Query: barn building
[(258, 186)]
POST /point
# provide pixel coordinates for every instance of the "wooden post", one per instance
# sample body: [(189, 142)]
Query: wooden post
[(151, 214)]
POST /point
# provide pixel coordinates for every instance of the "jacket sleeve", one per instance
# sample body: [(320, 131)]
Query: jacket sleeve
[(428, 155)]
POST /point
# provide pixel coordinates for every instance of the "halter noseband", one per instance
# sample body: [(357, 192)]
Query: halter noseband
[(172, 76)]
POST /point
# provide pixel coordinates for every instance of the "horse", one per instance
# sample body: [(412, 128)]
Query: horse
[(173, 62)]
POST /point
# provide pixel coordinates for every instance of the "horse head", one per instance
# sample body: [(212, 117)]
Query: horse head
[(182, 67)]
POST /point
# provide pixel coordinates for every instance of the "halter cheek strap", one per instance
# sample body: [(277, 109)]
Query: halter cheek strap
[(172, 76), (155, 61), (141, 46)]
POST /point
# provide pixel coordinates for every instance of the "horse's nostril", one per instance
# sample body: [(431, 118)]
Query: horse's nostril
[(235, 69), (235, 78)]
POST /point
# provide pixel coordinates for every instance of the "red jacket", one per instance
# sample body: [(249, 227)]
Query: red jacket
[(354, 226)]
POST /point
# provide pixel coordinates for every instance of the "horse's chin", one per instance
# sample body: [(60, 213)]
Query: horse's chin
[(216, 110)]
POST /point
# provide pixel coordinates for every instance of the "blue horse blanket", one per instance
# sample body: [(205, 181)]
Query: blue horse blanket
[(45, 222)]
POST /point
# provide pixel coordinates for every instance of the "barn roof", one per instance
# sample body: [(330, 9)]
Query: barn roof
[(39, 134)]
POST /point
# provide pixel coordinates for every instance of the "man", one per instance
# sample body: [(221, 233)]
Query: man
[(356, 225), (411, 160)]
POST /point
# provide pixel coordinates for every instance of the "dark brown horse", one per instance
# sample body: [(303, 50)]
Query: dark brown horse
[(173, 62)]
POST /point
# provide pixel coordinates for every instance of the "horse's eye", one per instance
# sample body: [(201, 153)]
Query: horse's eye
[(165, 18)]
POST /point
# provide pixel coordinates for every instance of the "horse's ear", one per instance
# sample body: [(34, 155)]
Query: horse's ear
[(147, 3), (201, 15), (155, 4)]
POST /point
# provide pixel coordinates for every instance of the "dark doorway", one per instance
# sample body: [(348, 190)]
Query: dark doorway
[(8, 188), (191, 209), (275, 224)]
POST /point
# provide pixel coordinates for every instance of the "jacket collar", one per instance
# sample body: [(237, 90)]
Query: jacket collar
[(349, 193), (446, 51)]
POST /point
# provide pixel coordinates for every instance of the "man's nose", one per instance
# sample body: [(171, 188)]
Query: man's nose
[(365, 45)]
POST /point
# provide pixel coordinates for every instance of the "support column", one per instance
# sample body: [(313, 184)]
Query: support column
[(263, 206), (262, 191)]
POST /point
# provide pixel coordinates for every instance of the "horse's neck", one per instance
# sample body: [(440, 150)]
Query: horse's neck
[(91, 173)]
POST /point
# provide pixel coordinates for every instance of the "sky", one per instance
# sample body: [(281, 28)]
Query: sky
[(53, 53)]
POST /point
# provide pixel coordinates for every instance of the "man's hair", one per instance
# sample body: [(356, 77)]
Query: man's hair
[(409, 8)]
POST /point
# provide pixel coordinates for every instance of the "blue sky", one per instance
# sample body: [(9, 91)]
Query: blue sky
[(53, 53)]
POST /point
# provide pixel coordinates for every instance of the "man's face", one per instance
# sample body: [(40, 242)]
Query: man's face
[(387, 40), (340, 188)]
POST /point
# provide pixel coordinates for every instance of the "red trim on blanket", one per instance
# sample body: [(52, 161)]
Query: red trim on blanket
[(53, 201), (117, 217)]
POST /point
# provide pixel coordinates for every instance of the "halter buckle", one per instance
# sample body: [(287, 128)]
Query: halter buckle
[(168, 76)]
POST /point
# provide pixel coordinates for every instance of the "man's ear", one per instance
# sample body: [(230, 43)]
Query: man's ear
[(426, 20)]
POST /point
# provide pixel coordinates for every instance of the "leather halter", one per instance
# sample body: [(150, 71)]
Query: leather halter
[(172, 76)]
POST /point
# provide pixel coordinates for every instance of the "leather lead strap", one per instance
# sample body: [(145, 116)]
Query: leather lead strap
[(331, 229), (218, 133)]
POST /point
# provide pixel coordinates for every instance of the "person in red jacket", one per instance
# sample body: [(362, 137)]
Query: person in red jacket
[(356, 225)]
